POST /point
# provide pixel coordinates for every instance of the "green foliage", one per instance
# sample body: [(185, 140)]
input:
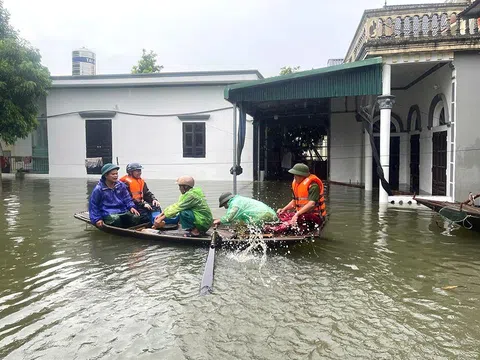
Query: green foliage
[(23, 81), (5, 29), (289, 70), (147, 64), (304, 139)]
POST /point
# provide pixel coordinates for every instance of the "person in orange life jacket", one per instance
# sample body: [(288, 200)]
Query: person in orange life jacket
[(143, 198), (308, 202)]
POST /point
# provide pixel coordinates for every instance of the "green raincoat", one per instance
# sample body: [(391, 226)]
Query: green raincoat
[(194, 200), (249, 211)]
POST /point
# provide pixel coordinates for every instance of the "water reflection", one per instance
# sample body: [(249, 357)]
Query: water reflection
[(375, 285)]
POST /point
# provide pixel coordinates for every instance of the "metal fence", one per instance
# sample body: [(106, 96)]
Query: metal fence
[(29, 164)]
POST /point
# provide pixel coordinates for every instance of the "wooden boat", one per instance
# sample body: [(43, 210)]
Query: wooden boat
[(171, 234), (461, 214)]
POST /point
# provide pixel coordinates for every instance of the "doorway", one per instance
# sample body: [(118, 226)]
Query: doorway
[(99, 142), (415, 163), (439, 163)]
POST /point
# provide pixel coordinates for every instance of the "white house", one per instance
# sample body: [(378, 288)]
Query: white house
[(171, 123)]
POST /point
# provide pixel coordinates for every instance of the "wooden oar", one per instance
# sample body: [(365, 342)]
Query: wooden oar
[(207, 281)]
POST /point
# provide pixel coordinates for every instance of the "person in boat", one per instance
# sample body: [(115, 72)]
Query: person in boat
[(194, 214), (307, 210), (145, 201), (241, 209), (110, 202)]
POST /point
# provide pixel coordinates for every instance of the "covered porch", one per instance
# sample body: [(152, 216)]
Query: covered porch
[(320, 116)]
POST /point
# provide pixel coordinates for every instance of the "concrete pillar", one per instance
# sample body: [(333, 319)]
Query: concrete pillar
[(385, 102), (368, 163)]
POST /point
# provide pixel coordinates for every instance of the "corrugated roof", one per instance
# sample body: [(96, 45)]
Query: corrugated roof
[(350, 79)]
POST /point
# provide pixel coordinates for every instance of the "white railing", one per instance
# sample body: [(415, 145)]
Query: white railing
[(385, 25)]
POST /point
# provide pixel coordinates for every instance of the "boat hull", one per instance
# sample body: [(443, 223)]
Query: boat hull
[(227, 237)]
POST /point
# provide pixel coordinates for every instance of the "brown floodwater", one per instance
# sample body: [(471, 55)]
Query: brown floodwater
[(372, 287)]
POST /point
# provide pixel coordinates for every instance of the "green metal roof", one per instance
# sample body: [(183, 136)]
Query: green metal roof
[(350, 79)]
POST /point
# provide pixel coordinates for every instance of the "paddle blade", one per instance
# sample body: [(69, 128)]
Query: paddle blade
[(207, 280)]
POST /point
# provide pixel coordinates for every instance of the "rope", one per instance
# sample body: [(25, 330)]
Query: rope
[(471, 225)]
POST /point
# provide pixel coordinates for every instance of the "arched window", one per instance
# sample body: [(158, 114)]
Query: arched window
[(376, 126), (438, 112), (441, 118), (414, 119), (396, 125)]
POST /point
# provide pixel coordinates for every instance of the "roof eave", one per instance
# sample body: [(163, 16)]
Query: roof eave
[(301, 75)]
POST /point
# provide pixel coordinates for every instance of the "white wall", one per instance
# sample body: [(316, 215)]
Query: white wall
[(468, 138), (156, 142), (346, 146)]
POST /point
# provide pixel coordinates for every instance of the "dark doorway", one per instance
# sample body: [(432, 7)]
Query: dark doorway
[(99, 142), (439, 163), (394, 167), (415, 163)]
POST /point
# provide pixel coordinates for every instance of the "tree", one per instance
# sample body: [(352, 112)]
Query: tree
[(147, 64), (23, 81), (5, 29), (289, 70)]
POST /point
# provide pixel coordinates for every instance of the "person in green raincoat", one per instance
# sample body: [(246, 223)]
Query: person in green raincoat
[(195, 215), (245, 210)]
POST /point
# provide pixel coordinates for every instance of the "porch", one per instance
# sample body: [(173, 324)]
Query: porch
[(316, 117)]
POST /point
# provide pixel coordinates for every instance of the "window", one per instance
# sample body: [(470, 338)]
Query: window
[(376, 127), (194, 139), (441, 119)]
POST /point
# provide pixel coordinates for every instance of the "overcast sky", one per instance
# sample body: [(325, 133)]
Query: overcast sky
[(191, 35)]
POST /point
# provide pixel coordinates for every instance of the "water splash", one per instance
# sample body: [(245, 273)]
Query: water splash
[(255, 244)]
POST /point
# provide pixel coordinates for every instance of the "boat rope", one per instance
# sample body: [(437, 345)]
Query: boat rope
[(466, 220)]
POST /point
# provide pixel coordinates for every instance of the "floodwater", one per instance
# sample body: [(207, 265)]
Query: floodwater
[(374, 286)]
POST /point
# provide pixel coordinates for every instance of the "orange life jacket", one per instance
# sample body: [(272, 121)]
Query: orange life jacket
[(300, 194), (135, 186)]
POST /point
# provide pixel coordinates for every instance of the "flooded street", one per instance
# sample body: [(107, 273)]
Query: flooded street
[(371, 287)]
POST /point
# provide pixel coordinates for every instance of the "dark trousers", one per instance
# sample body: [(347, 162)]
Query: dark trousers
[(187, 219), (124, 220)]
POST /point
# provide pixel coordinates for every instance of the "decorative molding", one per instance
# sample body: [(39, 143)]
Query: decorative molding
[(386, 101), (202, 117), (94, 114)]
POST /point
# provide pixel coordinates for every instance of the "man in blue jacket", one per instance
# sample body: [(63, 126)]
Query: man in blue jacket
[(110, 202)]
